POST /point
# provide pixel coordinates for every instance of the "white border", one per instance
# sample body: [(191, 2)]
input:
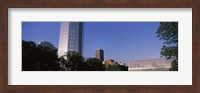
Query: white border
[(181, 77)]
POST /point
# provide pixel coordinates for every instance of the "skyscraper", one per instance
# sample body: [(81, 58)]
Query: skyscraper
[(71, 36), (99, 54)]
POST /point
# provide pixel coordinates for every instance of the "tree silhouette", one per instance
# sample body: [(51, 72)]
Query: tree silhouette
[(168, 32), (114, 67), (72, 61), (38, 58), (43, 58), (94, 64)]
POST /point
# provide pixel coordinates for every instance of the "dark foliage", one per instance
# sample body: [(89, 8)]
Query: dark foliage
[(73, 61), (38, 58), (123, 68), (168, 32), (94, 64), (116, 67)]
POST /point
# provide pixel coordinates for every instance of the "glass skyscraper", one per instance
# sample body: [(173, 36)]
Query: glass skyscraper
[(71, 37)]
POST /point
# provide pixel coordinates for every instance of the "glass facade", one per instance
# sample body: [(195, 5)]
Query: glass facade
[(71, 34)]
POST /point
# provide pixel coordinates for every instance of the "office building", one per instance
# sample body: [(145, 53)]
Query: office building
[(100, 54), (71, 37)]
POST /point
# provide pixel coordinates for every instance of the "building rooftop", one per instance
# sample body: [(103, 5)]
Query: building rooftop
[(150, 64)]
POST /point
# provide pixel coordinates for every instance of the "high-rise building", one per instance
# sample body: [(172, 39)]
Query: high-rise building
[(71, 37), (99, 54)]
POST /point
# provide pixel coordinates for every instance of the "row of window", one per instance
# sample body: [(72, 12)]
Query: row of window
[(72, 39)]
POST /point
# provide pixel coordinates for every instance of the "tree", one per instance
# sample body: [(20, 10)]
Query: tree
[(114, 67), (94, 64), (168, 32), (38, 58), (73, 61), (47, 58), (28, 52), (123, 68)]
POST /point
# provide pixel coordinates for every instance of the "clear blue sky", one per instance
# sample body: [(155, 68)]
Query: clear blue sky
[(121, 41)]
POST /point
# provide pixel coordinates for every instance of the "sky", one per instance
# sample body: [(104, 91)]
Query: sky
[(121, 41)]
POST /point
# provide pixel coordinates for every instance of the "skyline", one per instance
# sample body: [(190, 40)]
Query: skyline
[(115, 38)]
